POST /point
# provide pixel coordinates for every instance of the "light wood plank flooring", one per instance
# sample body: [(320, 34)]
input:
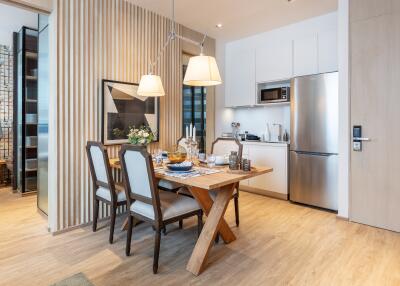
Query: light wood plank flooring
[(278, 243)]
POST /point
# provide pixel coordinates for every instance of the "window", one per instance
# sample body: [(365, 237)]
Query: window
[(194, 108)]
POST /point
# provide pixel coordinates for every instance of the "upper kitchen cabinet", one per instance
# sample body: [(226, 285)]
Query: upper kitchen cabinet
[(274, 60), (240, 76), (328, 51), (305, 55)]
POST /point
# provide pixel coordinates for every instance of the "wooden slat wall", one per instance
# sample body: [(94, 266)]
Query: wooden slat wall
[(107, 39)]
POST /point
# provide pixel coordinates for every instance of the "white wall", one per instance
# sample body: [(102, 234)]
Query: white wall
[(255, 119), (12, 19), (344, 109)]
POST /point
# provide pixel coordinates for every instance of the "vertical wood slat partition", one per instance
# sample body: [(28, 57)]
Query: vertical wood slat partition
[(108, 39)]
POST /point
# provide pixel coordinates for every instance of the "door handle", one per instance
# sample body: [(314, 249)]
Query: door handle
[(361, 139)]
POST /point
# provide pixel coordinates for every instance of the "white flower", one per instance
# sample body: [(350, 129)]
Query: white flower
[(142, 141), (145, 134)]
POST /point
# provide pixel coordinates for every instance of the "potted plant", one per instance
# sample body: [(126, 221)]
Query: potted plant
[(140, 136)]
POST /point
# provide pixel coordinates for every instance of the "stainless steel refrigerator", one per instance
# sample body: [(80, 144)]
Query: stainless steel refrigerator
[(314, 140)]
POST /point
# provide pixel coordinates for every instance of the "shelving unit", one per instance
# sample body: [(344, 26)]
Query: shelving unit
[(6, 104), (26, 98)]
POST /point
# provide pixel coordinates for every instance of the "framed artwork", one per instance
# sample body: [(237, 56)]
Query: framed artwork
[(123, 108)]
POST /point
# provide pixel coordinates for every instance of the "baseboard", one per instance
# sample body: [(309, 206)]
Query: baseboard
[(265, 193), (342, 218)]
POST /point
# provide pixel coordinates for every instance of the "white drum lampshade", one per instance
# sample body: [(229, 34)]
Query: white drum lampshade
[(151, 85), (202, 71)]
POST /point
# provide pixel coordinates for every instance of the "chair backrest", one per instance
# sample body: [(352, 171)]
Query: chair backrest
[(223, 146), (100, 169), (138, 174)]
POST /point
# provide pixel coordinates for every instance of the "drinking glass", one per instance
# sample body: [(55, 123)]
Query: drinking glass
[(202, 157), (211, 160)]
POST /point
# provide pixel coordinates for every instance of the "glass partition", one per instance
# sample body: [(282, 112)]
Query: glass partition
[(43, 112)]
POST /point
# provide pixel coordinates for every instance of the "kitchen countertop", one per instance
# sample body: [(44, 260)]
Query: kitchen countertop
[(276, 144)]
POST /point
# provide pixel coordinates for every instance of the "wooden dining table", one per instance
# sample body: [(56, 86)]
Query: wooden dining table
[(224, 182)]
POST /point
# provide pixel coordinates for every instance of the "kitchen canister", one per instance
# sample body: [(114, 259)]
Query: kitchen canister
[(246, 165), (233, 161)]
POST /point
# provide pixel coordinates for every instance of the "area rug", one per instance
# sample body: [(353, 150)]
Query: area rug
[(75, 280)]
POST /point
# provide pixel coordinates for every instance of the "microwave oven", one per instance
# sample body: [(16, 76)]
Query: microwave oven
[(273, 95)]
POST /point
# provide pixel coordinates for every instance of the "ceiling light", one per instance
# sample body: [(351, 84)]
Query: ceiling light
[(219, 26), (150, 85), (201, 71)]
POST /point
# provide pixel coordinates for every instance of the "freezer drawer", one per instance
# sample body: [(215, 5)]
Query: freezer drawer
[(313, 179)]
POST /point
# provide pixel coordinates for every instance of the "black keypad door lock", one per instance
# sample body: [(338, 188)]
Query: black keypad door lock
[(357, 138), (357, 145)]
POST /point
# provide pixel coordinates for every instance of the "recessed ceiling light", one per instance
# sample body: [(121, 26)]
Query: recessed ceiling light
[(219, 25)]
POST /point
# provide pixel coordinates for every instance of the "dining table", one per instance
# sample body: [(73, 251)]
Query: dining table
[(223, 181)]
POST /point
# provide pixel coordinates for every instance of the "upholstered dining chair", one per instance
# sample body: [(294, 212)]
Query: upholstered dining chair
[(169, 186), (223, 146), (105, 189), (146, 202)]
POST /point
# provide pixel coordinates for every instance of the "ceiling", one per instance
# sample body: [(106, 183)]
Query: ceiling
[(240, 18)]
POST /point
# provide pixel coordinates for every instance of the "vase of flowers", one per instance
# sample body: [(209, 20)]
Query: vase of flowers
[(140, 136)]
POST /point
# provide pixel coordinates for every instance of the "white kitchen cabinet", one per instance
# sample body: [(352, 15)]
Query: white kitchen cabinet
[(274, 60), (305, 55), (328, 51), (268, 155), (240, 82)]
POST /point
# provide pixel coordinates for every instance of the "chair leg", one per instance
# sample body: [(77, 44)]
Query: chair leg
[(181, 223), (112, 224), (199, 222), (95, 213), (157, 242), (236, 200), (129, 236)]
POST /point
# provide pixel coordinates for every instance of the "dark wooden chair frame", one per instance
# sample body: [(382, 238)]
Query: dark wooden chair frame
[(110, 185), (158, 223), (235, 196), (173, 190)]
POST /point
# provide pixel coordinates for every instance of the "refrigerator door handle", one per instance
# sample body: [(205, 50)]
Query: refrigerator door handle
[(314, 153)]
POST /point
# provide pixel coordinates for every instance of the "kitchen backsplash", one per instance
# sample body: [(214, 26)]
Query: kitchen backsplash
[(255, 119)]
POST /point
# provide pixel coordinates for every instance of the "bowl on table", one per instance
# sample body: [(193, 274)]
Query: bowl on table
[(180, 167), (221, 160), (176, 157)]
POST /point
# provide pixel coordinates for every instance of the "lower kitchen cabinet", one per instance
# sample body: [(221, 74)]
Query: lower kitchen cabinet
[(273, 155)]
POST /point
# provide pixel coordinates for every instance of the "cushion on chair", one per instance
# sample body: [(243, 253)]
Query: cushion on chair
[(168, 185), (105, 194), (172, 205)]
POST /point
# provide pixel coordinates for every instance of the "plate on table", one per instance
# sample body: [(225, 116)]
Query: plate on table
[(180, 167)]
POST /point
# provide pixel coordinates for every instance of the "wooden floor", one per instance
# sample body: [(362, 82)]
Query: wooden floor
[(278, 243)]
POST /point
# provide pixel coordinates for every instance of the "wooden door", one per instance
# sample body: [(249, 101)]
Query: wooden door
[(375, 105)]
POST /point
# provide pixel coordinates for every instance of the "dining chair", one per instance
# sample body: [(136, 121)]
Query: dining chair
[(169, 186), (105, 189), (223, 146), (146, 202)]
